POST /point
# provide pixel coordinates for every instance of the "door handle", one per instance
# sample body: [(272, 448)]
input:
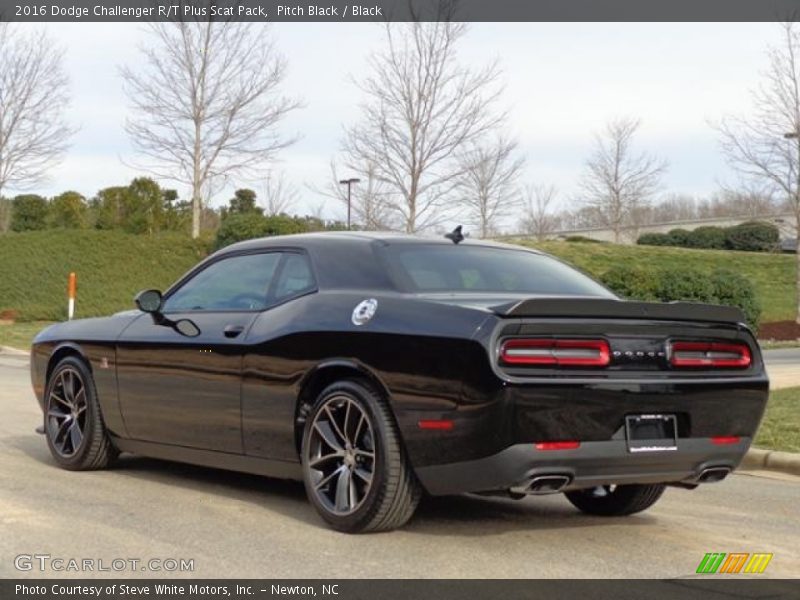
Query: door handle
[(231, 331)]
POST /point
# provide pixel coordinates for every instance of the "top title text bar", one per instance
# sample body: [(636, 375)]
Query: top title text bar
[(400, 10)]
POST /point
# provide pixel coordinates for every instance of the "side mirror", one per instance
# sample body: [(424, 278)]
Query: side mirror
[(149, 301)]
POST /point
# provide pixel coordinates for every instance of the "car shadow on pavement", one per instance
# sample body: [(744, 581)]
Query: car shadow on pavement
[(443, 515)]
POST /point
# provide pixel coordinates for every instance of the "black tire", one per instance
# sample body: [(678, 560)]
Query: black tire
[(617, 501), (391, 496), (75, 405)]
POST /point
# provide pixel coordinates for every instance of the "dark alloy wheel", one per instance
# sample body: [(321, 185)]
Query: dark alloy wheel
[(66, 412), (74, 428), (354, 466), (616, 500), (341, 455)]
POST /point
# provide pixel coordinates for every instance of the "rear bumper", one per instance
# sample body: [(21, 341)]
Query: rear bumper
[(592, 464)]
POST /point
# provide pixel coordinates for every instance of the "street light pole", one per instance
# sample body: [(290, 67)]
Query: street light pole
[(349, 183)]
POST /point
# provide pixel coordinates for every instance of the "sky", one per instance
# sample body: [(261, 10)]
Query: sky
[(563, 82)]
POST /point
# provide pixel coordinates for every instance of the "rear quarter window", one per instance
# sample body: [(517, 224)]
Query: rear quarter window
[(442, 268)]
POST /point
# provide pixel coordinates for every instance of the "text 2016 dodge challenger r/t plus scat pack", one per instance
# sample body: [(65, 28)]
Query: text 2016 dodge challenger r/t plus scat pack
[(377, 366)]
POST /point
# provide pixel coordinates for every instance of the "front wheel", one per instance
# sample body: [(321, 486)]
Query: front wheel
[(616, 500), (355, 469), (73, 425)]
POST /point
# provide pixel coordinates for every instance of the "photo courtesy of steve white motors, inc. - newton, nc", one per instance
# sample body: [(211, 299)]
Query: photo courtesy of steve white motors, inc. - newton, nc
[(399, 299)]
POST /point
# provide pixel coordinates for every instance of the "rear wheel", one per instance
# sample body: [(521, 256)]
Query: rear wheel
[(616, 500), (355, 470), (73, 425)]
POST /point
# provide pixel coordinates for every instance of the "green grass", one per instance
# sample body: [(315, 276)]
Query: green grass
[(780, 429), (773, 275), (111, 267), (20, 335)]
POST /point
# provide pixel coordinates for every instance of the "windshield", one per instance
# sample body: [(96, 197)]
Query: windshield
[(482, 269)]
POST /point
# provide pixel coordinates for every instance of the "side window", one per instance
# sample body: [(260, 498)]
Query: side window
[(235, 283), (295, 277)]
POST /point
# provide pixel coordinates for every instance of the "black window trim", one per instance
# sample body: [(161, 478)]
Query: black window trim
[(283, 251)]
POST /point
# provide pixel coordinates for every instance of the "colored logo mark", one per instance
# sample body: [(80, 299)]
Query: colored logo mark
[(733, 563)]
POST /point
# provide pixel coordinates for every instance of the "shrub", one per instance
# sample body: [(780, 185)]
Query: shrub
[(753, 236), (285, 225), (28, 213), (631, 282), (710, 237), (69, 211), (733, 289), (679, 237), (684, 284), (242, 226), (654, 239)]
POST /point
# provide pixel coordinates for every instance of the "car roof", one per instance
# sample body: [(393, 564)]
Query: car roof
[(323, 238)]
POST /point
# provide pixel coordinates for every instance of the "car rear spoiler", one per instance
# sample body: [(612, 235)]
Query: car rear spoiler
[(602, 308)]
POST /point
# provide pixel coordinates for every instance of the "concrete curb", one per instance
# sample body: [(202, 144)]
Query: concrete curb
[(12, 351), (772, 460)]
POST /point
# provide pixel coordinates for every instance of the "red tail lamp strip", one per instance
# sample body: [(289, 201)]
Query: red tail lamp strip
[(436, 424), (722, 440), (555, 352), (710, 354), (557, 445)]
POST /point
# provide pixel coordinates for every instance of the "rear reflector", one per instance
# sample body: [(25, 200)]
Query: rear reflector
[(557, 445), (436, 424), (555, 352), (717, 355), (725, 439)]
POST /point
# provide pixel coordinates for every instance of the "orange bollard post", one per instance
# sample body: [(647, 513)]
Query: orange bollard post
[(71, 289)]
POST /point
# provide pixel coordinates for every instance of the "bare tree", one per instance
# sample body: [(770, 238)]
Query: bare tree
[(765, 145), (33, 97), (369, 202), (279, 194), (207, 103), (421, 109), (487, 186), (751, 199), (618, 183), (539, 219)]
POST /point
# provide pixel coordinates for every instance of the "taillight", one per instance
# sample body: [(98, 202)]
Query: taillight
[(722, 440), (555, 352), (718, 355), (557, 445)]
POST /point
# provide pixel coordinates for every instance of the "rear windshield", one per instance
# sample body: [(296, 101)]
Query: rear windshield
[(440, 268)]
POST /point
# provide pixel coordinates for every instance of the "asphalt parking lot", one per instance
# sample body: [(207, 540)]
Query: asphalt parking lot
[(234, 525)]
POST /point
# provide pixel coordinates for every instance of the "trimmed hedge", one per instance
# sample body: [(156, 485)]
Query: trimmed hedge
[(751, 236), (720, 286), (679, 237), (712, 238), (654, 239), (755, 236)]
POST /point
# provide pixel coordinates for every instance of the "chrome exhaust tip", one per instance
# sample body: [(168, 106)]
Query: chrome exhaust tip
[(713, 474), (543, 484)]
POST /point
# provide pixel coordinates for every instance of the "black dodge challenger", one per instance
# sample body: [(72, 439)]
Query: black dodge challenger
[(376, 366)]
